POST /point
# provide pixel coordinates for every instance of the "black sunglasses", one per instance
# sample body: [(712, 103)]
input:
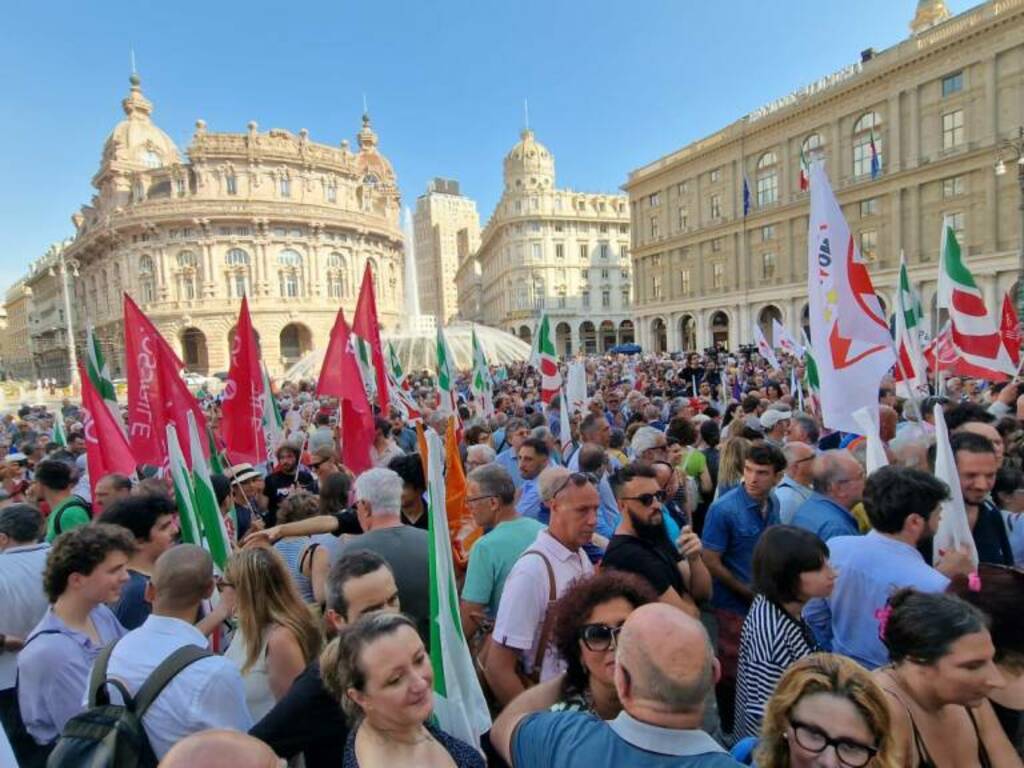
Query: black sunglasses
[(600, 637), (850, 753), (578, 479), (646, 499)]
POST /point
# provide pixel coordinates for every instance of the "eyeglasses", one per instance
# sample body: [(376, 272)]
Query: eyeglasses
[(480, 498), (600, 637), (578, 479), (850, 753), (317, 465), (647, 499)]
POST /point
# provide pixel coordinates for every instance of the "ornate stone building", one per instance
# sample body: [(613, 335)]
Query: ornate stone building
[(17, 349), (286, 221), (47, 323), (936, 106), (550, 249), (443, 217)]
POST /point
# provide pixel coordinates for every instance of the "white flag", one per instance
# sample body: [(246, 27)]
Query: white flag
[(784, 339), (765, 349), (875, 456), (576, 386), (850, 339), (564, 425), (954, 531)]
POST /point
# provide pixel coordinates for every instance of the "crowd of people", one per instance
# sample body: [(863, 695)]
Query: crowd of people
[(700, 574)]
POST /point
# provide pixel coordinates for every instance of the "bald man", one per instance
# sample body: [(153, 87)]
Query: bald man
[(838, 482), (208, 692), (221, 749), (665, 669)]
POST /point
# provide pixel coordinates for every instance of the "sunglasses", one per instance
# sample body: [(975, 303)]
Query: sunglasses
[(318, 464), (579, 479), (600, 637), (647, 499)]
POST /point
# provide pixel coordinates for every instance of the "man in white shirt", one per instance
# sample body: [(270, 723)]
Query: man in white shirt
[(206, 694), (557, 553), (22, 561)]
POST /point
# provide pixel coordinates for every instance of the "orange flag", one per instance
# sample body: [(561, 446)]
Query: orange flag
[(464, 530)]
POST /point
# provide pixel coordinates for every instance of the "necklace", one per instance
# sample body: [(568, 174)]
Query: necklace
[(386, 737)]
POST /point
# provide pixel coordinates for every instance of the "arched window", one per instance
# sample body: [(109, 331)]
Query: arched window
[(290, 275), (539, 293), (237, 257), (147, 283), (335, 261), (767, 179), (813, 147), (337, 275), (187, 259), (867, 132), (289, 258)]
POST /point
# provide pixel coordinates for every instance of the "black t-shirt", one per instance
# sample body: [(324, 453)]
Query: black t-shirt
[(307, 720), (279, 485), (348, 522), (658, 564)]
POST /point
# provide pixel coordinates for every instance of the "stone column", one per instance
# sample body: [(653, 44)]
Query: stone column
[(914, 156), (895, 152)]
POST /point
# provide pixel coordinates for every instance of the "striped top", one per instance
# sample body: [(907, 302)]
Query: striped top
[(770, 641), (291, 550)]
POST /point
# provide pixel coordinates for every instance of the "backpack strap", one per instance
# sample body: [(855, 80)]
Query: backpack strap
[(58, 527), (98, 677), (163, 674), (546, 625), (307, 556)]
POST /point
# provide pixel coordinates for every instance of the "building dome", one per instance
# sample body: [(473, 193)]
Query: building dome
[(529, 165), (417, 349), (136, 142), (373, 166)]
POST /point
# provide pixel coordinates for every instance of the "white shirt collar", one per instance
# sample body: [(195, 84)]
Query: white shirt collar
[(664, 741)]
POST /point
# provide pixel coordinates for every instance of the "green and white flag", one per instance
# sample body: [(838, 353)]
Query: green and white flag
[(99, 374), (459, 703), (364, 356), (481, 384), (188, 522), (396, 366), (215, 534), (58, 435), (445, 375), (273, 426)]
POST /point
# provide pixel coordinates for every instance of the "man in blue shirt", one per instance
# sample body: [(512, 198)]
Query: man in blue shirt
[(795, 486), (733, 526), (533, 456), (838, 481), (515, 432), (665, 668), (903, 507)]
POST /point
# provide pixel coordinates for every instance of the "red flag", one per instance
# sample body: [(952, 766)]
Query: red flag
[(366, 325), (157, 395), (1009, 330), (340, 378), (106, 447), (941, 354), (242, 426)]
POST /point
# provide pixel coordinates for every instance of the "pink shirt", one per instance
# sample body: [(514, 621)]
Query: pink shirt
[(524, 601)]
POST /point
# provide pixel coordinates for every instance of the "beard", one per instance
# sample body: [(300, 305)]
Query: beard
[(653, 533)]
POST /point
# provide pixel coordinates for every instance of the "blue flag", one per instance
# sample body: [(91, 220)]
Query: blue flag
[(876, 160), (746, 195)]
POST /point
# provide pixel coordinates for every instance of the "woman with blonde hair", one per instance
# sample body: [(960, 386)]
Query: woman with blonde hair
[(730, 465), (276, 636), (826, 711)]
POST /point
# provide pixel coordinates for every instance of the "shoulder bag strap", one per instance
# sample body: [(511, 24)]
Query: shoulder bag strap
[(163, 674), (546, 625), (97, 690)]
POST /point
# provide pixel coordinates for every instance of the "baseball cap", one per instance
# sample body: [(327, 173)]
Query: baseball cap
[(771, 417)]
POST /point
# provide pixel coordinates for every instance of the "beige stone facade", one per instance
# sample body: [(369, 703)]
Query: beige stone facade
[(17, 350), (47, 327), (286, 221), (553, 250), (443, 217), (937, 105)]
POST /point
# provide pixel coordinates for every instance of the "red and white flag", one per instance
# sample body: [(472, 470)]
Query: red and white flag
[(366, 325), (1009, 330), (340, 378), (940, 352), (850, 338), (764, 349), (242, 426), (106, 446), (550, 376)]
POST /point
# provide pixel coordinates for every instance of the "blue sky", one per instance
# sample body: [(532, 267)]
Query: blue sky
[(611, 85)]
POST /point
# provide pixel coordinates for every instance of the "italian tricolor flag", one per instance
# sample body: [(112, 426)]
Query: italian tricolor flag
[(99, 374), (446, 376), (975, 332), (910, 374), (550, 377), (805, 176)]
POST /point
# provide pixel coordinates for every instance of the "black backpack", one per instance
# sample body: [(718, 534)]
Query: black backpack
[(58, 523), (110, 735)]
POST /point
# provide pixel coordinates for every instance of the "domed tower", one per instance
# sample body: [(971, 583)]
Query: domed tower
[(135, 144), (529, 166), (929, 13), (377, 177)]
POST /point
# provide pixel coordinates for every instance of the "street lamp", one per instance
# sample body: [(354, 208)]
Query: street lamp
[(65, 264), (1014, 150)]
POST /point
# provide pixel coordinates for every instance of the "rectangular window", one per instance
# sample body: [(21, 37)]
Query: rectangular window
[(559, 251), (952, 84), (561, 301), (654, 227), (604, 274), (625, 297), (584, 251), (585, 297), (767, 233), (717, 275), (768, 266), (606, 299), (535, 226), (683, 187), (715, 207), (869, 244), (519, 206), (603, 228), (559, 226), (232, 184), (332, 194), (602, 250), (656, 286), (286, 187), (684, 219), (684, 281), (654, 199), (716, 175), (716, 245), (534, 204), (182, 187), (623, 229), (869, 207), (535, 252), (955, 219), (624, 274), (623, 251), (953, 186), (953, 129), (767, 188), (558, 205)]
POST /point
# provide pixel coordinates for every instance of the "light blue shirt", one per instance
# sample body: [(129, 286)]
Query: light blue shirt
[(507, 461), (529, 500), (53, 670), (23, 599), (206, 694), (869, 569), (608, 515), (823, 517), (791, 495)]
